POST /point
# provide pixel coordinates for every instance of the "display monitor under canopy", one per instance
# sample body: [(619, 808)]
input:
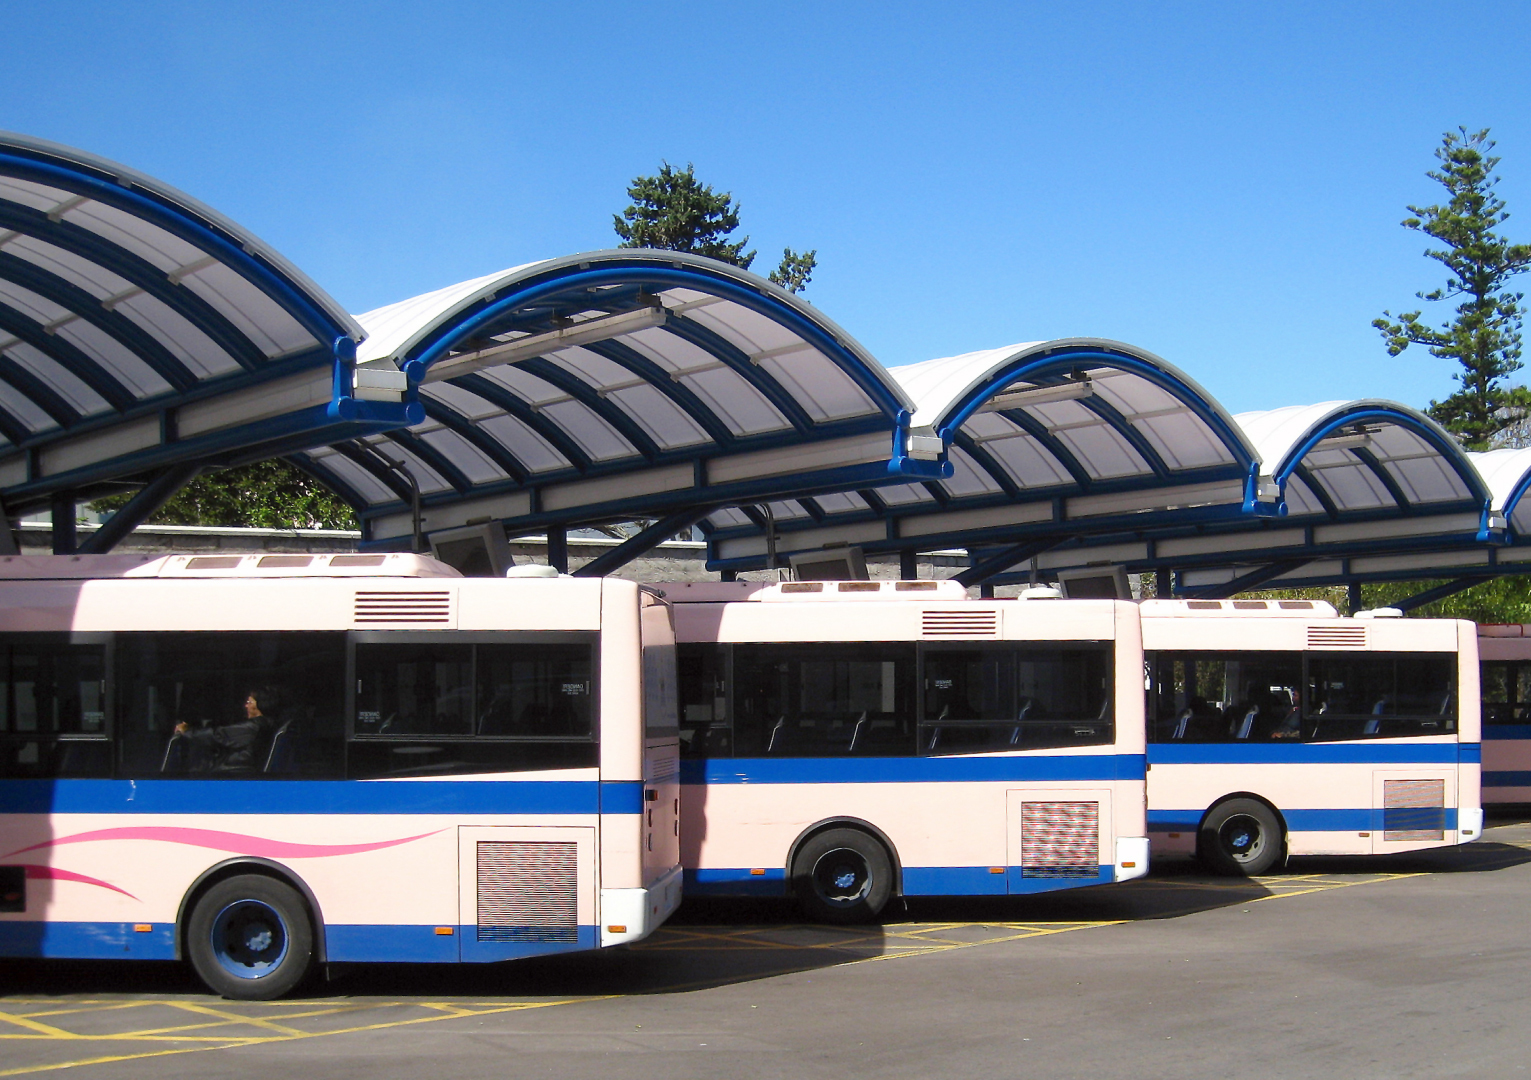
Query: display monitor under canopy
[(474, 550), (831, 564), (1095, 583)]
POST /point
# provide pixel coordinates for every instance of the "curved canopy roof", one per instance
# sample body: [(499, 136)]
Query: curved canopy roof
[(1055, 437), (139, 328), (618, 383)]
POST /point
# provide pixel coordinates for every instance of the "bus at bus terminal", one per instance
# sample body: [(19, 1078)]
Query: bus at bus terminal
[(261, 763), (1277, 729), (847, 742), (1505, 652)]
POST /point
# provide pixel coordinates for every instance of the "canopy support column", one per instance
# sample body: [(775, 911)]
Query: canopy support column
[(908, 565), (642, 542), (138, 509), (1353, 597), (63, 523), (1164, 583), (558, 548), (984, 569), (1440, 592)]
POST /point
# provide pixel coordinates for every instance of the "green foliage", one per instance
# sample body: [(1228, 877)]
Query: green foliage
[(1484, 337), (795, 269), (677, 212), (267, 495), (1503, 600)]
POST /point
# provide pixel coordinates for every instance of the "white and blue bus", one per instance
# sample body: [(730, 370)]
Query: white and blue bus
[(260, 763)]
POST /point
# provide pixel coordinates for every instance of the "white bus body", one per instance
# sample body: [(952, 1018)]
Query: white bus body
[(845, 742), (444, 769), (1276, 726)]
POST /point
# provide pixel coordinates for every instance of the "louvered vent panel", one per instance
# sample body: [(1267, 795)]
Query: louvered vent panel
[(663, 770), (1413, 809), (528, 890), (1060, 839), (960, 624), (1336, 637), (398, 607)]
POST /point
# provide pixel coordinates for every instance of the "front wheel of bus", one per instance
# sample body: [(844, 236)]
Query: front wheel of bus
[(249, 938), (842, 876), (1241, 838)]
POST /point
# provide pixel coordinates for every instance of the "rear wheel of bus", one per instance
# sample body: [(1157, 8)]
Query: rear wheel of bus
[(249, 937), (1241, 837), (842, 876)]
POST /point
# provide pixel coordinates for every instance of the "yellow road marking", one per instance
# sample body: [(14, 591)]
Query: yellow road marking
[(896, 941)]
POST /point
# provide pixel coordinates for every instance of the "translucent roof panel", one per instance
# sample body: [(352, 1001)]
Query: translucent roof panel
[(611, 382), (123, 298)]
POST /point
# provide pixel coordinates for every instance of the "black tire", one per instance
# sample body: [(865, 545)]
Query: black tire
[(249, 938), (1241, 838), (842, 876)]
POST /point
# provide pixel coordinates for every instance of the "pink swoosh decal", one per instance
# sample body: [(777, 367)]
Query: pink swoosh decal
[(238, 843), (54, 874)]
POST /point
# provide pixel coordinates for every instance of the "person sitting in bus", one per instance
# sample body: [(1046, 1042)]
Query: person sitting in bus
[(236, 745)]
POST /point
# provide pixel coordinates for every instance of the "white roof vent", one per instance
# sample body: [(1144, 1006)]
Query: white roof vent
[(1040, 592), (1379, 613), (532, 570)]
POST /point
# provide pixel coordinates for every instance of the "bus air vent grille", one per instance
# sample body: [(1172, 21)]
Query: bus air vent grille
[(1060, 839), (401, 607), (1413, 810), (528, 891), (1336, 637), (664, 770), (960, 624)]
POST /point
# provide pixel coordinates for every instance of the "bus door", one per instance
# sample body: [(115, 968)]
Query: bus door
[(524, 890)]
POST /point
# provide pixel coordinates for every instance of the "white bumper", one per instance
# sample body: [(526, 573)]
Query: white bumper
[(1469, 824), (1131, 857), (634, 914)]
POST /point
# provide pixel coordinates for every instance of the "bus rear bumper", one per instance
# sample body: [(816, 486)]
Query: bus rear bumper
[(1131, 857), (634, 914), (1469, 824)]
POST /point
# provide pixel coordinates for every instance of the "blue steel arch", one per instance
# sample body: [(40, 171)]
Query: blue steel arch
[(1434, 435), (1066, 359)]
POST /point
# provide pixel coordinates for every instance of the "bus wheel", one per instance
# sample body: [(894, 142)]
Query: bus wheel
[(842, 876), (1241, 838), (249, 938)]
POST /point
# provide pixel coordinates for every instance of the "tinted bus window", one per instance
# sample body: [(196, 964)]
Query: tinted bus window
[(1506, 691), (184, 704), (1002, 698), (440, 707), (824, 700), (1225, 697), (705, 727), (1378, 695), (53, 709)]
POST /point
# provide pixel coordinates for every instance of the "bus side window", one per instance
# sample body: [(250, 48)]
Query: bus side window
[(1382, 695), (1498, 693), (53, 709), (826, 699), (706, 729)]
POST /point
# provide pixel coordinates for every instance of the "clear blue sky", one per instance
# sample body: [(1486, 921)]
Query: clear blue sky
[(1221, 183)]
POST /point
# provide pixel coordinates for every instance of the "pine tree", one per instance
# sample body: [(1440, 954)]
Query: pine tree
[(795, 269), (677, 212), (1484, 337)]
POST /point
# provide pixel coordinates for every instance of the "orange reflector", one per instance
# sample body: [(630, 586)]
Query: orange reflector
[(1129, 866), (757, 872), (1363, 834), (996, 869), (616, 929), (143, 928), (1174, 836), (444, 931)]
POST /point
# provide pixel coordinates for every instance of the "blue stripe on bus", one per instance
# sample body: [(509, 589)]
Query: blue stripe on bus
[(735, 882), (1098, 767), (1356, 753), (1346, 820), (86, 941), (358, 943), (348, 943), (320, 797), (918, 881), (1507, 778), (1497, 732)]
